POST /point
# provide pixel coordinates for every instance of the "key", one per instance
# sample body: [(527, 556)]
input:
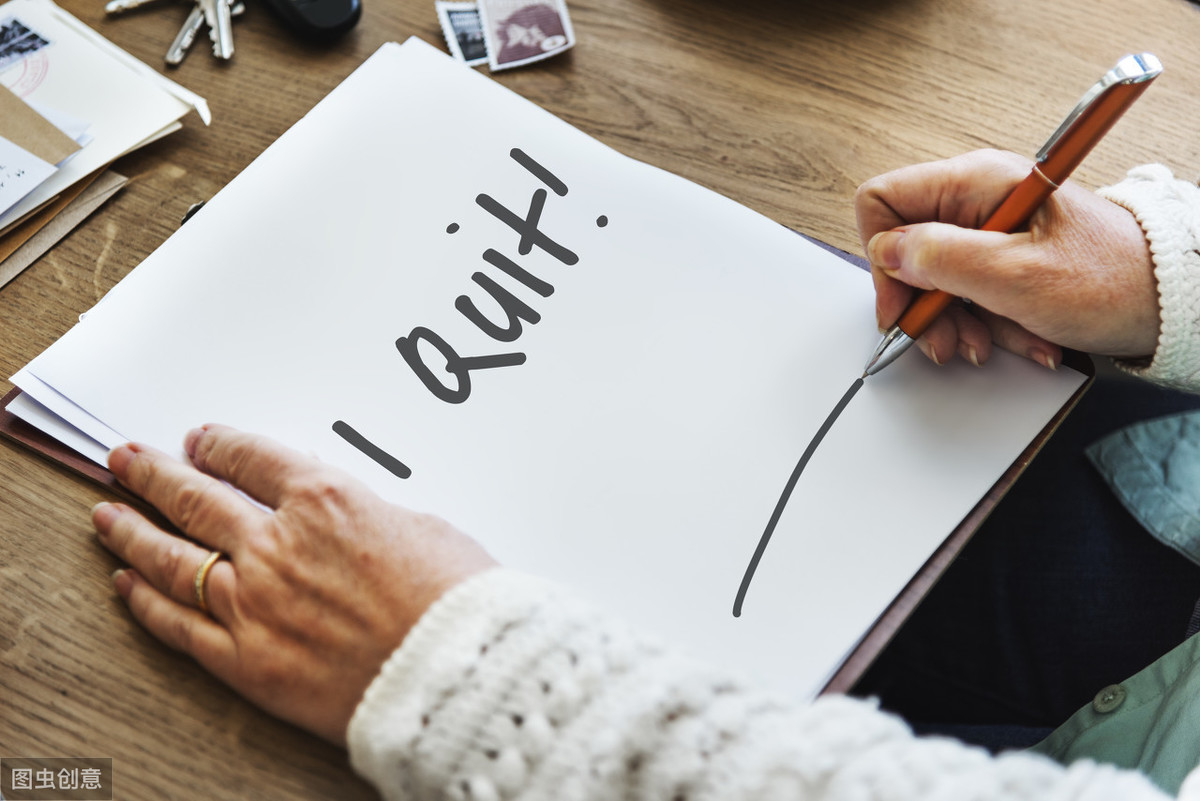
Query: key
[(121, 6), (191, 27), (185, 37), (220, 26), (222, 35)]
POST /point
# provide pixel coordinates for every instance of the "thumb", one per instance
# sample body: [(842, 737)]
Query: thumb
[(982, 265)]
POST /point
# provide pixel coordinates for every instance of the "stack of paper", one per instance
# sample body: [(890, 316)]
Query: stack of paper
[(602, 371), (32, 148), (70, 103)]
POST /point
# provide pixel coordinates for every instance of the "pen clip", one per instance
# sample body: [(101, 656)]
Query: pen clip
[(1133, 69)]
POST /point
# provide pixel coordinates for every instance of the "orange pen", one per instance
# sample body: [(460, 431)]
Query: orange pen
[(1082, 130)]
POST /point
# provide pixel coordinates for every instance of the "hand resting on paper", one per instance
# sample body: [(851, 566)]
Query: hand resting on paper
[(314, 595), (1081, 276)]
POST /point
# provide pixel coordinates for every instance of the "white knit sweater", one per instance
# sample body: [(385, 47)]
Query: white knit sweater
[(1169, 212), (509, 687)]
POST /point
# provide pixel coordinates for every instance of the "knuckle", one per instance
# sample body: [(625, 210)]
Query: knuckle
[(994, 157), (273, 555), (871, 192), (1008, 165), (235, 459), (319, 491), (223, 453), (144, 474), (193, 505), (179, 632), (264, 547), (171, 564), (121, 532), (920, 251), (866, 190), (990, 154)]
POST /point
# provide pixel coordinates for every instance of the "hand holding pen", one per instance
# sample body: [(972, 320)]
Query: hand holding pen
[(1079, 275)]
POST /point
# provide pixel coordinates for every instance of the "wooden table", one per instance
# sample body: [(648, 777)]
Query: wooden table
[(783, 105)]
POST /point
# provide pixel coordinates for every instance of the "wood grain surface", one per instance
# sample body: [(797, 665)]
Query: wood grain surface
[(785, 106)]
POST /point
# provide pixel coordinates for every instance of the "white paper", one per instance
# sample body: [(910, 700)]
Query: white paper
[(673, 378), (85, 76), (39, 416), (64, 417)]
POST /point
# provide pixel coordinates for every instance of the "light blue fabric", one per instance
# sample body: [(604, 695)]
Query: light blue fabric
[(1150, 722), (1154, 468)]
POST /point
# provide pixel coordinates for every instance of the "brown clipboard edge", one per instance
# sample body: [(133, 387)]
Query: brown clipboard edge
[(885, 628), (17, 430)]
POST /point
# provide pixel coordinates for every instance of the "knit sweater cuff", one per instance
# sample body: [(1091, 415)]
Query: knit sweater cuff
[(438, 660), (1168, 210)]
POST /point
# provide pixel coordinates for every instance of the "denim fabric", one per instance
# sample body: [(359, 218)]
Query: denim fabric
[(1060, 593), (1148, 721)]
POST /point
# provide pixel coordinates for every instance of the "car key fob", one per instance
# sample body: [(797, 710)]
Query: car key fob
[(318, 19)]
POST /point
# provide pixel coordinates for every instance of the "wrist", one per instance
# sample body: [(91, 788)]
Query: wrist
[(1166, 209)]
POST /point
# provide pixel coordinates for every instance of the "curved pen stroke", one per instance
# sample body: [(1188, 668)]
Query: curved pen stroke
[(787, 493)]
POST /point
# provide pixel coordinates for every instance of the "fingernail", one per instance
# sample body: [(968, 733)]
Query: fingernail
[(973, 356), (122, 582), (1043, 358), (120, 457), (884, 249), (880, 322), (931, 352), (189, 442), (103, 515)]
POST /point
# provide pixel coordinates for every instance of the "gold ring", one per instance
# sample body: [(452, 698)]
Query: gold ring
[(202, 576)]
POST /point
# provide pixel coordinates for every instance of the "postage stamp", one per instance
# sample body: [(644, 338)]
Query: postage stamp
[(17, 41), (463, 31), (523, 31)]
